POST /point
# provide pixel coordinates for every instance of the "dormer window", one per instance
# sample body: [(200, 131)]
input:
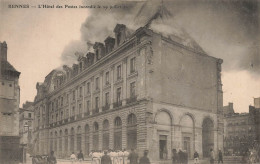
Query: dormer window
[(80, 66), (118, 38), (120, 33)]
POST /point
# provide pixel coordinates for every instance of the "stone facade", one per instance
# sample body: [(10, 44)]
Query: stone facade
[(9, 108), (140, 90)]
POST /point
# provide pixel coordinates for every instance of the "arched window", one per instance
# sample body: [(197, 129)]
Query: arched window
[(72, 133), (131, 131), (87, 139), (79, 138), (51, 142), (55, 141), (95, 136), (105, 135), (60, 142), (66, 140), (118, 134)]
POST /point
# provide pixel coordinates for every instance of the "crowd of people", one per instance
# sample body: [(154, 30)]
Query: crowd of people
[(118, 157)]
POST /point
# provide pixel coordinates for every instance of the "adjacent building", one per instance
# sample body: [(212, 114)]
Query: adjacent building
[(138, 89), (9, 108), (241, 130), (26, 124)]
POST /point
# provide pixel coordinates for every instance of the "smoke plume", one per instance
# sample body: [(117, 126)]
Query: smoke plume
[(223, 29)]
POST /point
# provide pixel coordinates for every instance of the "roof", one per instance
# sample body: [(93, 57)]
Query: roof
[(5, 65)]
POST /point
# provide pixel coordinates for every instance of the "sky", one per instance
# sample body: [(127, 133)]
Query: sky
[(40, 40)]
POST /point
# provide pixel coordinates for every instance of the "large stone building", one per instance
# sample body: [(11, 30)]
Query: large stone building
[(9, 108), (240, 129), (26, 124), (139, 90)]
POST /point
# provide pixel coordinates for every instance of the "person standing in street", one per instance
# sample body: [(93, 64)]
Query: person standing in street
[(220, 156), (196, 157), (80, 156), (174, 156), (52, 159), (105, 159), (212, 156), (133, 157), (144, 159), (73, 158)]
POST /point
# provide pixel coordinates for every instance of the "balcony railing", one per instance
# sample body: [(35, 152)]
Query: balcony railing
[(72, 118), (106, 107), (95, 111), (131, 99), (79, 116), (117, 104), (87, 113)]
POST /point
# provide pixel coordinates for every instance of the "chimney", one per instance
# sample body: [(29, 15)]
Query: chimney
[(120, 34), (99, 50), (90, 58), (109, 44), (3, 51)]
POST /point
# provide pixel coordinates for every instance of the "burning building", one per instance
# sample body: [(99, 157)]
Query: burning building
[(139, 89)]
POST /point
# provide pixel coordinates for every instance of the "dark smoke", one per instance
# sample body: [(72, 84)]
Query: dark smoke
[(224, 29)]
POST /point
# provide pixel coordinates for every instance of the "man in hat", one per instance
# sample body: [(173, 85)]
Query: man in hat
[(133, 157), (144, 159), (105, 159), (52, 159)]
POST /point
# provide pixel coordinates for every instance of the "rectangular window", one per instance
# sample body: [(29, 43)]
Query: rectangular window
[(88, 87), (57, 104), (132, 65), (61, 115), (73, 111), (97, 103), (107, 77), (67, 98), (80, 91), (118, 94), (74, 95), (61, 103), (119, 72), (88, 106), (30, 115), (132, 89), (80, 107), (106, 98), (97, 83)]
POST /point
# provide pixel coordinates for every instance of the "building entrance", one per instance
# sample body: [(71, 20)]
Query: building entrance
[(163, 147), (186, 145)]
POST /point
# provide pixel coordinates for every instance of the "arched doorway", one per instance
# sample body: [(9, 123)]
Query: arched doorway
[(87, 140), (72, 133), (79, 138), (187, 131), (95, 136), (207, 136), (131, 131), (105, 145), (118, 134), (164, 122), (60, 144), (66, 141)]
